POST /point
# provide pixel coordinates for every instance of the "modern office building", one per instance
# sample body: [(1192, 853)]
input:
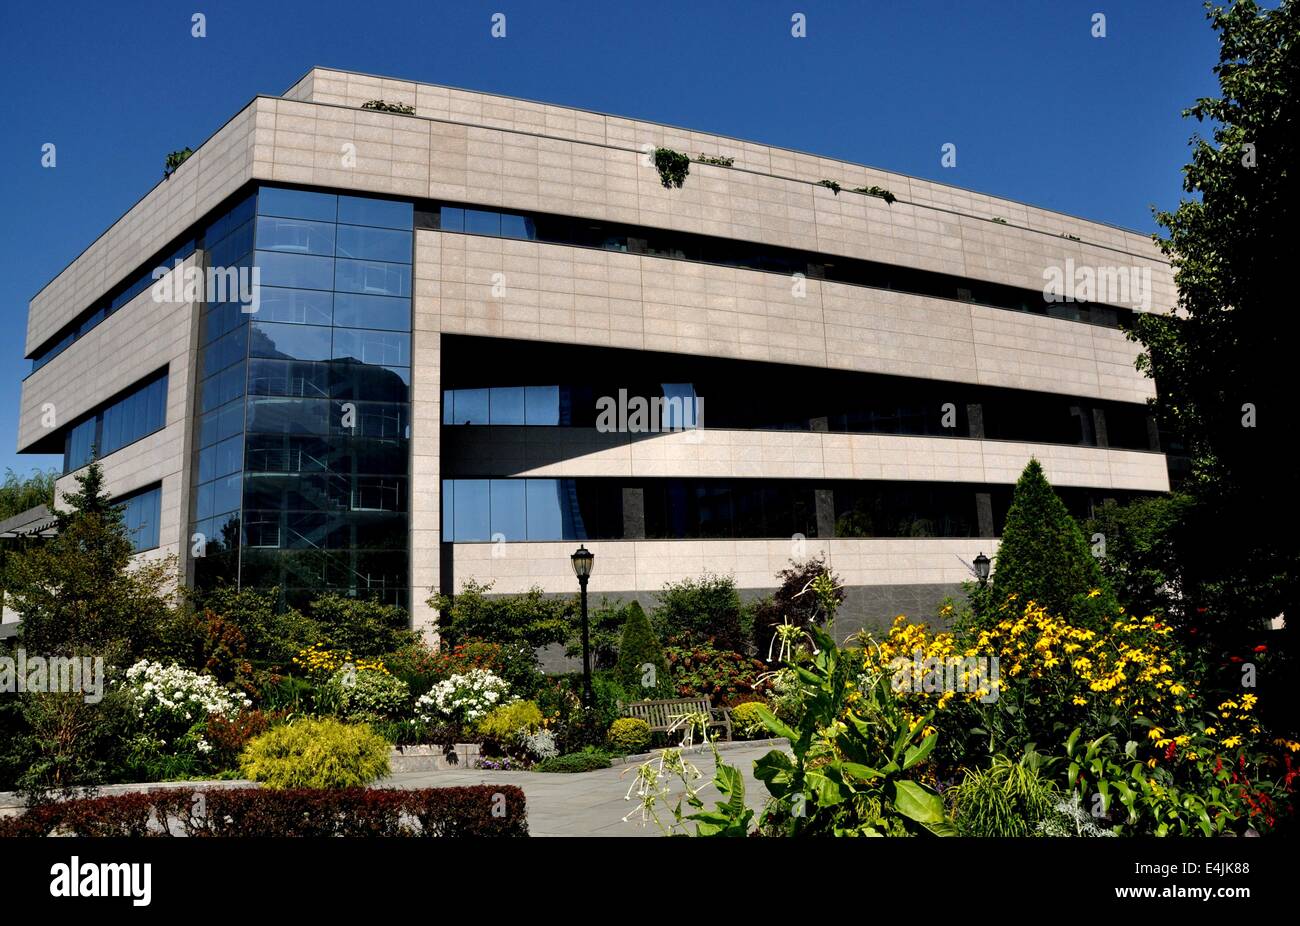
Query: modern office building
[(486, 331)]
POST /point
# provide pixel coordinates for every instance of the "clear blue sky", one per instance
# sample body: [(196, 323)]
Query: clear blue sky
[(1040, 110)]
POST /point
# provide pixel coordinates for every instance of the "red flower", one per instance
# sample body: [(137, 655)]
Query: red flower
[(1236, 659), (1261, 648)]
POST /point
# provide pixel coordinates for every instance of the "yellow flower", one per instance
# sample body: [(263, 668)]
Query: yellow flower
[(1155, 734), (1232, 742)]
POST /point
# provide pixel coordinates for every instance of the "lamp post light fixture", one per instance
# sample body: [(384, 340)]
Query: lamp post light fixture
[(583, 559), (982, 568)]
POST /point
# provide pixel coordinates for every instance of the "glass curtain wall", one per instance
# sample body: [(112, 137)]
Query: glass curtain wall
[(310, 410)]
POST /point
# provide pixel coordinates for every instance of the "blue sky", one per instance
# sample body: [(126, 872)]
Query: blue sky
[(1040, 111)]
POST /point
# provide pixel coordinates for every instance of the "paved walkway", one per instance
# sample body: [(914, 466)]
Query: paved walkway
[(592, 803), (582, 804)]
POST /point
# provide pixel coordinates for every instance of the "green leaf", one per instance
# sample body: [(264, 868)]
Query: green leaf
[(917, 802), (918, 753), (774, 725)]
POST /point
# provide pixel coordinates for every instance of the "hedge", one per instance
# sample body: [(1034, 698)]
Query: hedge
[(480, 810)]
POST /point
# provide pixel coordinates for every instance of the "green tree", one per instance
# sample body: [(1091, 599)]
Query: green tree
[(605, 630), (640, 648), (273, 634), (532, 618), (1043, 556), (1145, 551), (76, 592), (18, 494), (365, 627), (795, 599), (1224, 364), (696, 610)]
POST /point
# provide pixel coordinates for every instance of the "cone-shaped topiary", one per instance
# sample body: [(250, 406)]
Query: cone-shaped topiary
[(639, 650), (1044, 557)]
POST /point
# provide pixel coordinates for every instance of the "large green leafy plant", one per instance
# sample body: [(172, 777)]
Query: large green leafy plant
[(856, 757)]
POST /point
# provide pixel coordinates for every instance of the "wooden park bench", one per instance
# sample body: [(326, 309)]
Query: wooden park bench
[(663, 715)]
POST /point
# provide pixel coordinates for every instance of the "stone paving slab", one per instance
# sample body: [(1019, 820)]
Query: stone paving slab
[(592, 803)]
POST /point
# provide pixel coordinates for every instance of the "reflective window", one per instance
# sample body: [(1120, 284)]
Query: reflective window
[(295, 306), (480, 222), (517, 226), (509, 510), (545, 521), (373, 277), (467, 406), (542, 405), (221, 459), (297, 204), (288, 416), (221, 388), (289, 378), (506, 405), (141, 514), (357, 210), (295, 236), (385, 244), (382, 348), (220, 424), (124, 421), (472, 509), (289, 342), (303, 271), (451, 218), (79, 446), (354, 310)]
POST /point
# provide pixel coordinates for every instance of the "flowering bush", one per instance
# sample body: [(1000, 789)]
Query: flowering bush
[(366, 694), (320, 661), (1186, 760), (463, 698), (166, 696), (701, 669)]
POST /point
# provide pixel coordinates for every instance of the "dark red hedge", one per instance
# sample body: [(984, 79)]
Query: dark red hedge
[(481, 810)]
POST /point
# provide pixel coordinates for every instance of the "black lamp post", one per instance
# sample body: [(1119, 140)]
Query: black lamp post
[(582, 560), (982, 568)]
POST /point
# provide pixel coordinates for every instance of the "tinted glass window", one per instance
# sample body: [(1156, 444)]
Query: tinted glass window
[(374, 244), (506, 405), (509, 520), (542, 405), (354, 310), (373, 277), (295, 236), (544, 520), (479, 222), (357, 210), (472, 509), (451, 219), (297, 204), (383, 348), (303, 271), (290, 342), (140, 513), (295, 306)]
